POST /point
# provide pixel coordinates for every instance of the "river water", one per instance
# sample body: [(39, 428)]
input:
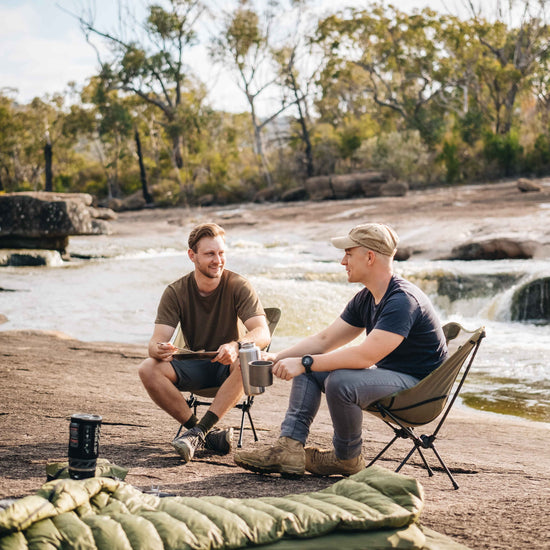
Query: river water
[(113, 297)]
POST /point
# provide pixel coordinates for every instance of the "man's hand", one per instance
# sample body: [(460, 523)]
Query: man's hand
[(287, 369), (164, 351), (227, 353), (268, 356)]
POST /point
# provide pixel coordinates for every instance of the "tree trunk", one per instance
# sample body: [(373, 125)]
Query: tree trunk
[(509, 102), (258, 145), (303, 125), (176, 146), (48, 155), (142, 175)]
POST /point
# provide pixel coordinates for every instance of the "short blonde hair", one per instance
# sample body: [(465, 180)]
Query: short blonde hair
[(204, 230)]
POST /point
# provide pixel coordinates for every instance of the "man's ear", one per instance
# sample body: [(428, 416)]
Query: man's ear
[(191, 254)]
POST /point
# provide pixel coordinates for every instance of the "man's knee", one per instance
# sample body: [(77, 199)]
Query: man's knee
[(339, 387), (147, 371)]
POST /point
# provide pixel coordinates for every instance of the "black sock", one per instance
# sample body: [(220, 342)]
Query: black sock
[(191, 423), (207, 421)]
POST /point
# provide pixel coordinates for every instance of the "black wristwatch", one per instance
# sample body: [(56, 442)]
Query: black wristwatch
[(307, 361)]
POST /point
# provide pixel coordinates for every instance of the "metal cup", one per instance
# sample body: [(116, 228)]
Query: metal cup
[(261, 373)]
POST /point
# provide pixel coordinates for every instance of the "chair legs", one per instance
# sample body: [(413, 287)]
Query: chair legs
[(245, 406), (419, 443)]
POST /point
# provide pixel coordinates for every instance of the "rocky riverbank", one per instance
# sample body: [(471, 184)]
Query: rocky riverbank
[(501, 463)]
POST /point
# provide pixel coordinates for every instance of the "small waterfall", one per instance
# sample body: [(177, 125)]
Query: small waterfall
[(531, 302), (506, 294)]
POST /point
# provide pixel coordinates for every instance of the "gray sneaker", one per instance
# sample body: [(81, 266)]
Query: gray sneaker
[(220, 441), (188, 443)]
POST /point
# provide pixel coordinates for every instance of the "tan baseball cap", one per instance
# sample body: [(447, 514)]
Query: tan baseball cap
[(374, 236)]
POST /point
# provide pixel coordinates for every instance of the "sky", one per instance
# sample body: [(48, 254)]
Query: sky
[(43, 49)]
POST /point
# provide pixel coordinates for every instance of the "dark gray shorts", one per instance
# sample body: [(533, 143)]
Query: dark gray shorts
[(197, 374)]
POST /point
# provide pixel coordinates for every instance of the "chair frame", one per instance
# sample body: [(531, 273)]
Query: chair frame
[(403, 429), (273, 314)]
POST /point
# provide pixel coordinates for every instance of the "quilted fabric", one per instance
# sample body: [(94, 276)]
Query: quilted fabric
[(107, 514)]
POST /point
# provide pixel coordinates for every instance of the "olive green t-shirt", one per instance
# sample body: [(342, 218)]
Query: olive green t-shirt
[(207, 322)]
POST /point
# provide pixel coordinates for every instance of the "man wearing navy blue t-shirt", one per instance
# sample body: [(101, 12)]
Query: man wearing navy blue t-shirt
[(403, 343)]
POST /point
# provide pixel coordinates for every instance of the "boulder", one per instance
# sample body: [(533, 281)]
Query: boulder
[(295, 194), (135, 201), (528, 186), (112, 204), (361, 184), (319, 188), (268, 194), (495, 249), (394, 189), (403, 253), (46, 220), (28, 258), (206, 200), (531, 302), (101, 213)]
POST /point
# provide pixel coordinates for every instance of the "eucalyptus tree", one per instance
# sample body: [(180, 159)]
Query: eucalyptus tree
[(515, 43), (246, 42), (29, 135), (9, 130), (399, 61), (112, 131), (148, 60), (297, 63)]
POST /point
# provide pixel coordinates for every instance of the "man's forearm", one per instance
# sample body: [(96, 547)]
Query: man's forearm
[(310, 345), (259, 336)]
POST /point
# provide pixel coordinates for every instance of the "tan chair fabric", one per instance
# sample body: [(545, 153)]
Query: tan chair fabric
[(430, 399), (426, 400)]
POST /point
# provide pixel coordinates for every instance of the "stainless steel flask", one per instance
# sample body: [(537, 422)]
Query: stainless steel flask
[(249, 352)]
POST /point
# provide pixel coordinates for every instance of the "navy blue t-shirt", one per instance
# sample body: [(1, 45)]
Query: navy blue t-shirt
[(407, 311)]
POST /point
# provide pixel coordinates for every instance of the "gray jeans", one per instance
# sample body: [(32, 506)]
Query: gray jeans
[(348, 392)]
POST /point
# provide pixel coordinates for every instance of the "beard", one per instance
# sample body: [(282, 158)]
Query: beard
[(207, 271)]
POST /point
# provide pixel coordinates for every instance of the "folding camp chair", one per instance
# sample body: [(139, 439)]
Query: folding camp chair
[(273, 314), (431, 397)]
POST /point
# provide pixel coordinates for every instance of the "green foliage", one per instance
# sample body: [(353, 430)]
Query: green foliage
[(423, 96), (326, 148), (505, 152), (471, 126), (537, 160), (403, 156), (450, 159)]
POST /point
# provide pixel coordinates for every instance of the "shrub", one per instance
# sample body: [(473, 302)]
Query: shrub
[(504, 151), (403, 156)]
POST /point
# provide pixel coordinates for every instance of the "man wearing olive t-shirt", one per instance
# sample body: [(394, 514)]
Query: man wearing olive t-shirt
[(403, 343), (217, 310)]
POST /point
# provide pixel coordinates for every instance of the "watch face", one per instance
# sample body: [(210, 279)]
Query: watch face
[(307, 360)]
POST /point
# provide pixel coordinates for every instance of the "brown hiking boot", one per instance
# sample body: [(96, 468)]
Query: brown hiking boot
[(325, 463), (286, 457)]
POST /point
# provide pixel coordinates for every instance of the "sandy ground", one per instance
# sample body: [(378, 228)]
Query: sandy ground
[(501, 463)]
